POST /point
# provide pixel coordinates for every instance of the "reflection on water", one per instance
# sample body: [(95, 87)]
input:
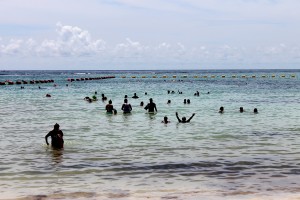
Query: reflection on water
[(57, 155)]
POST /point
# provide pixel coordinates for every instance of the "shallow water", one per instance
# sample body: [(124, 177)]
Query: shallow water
[(216, 156)]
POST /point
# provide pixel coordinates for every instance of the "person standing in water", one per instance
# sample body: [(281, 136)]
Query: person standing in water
[(126, 107), (183, 120), (110, 108), (56, 135), (151, 107)]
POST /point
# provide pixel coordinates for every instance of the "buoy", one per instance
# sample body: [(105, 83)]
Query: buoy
[(213, 76), (263, 76), (164, 76), (184, 76), (282, 76), (244, 76), (273, 75), (223, 76), (204, 76), (195, 76), (253, 76), (293, 75), (154, 76), (174, 76), (133, 76), (233, 76), (143, 76)]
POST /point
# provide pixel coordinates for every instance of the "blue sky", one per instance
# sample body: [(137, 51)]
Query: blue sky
[(149, 34)]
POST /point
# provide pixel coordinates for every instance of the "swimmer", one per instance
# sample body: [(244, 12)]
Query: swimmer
[(125, 97), (221, 109), (183, 120), (56, 135), (169, 101), (146, 93), (94, 98), (126, 107), (151, 106), (188, 101), (184, 101), (48, 95), (109, 107), (104, 98), (142, 103), (241, 109), (255, 111), (165, 121), (135, 96)]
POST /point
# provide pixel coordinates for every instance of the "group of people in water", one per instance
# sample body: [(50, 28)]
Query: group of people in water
[(57, 135), (221, 110)]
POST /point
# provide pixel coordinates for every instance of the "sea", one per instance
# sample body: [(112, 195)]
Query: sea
[(228, 155)]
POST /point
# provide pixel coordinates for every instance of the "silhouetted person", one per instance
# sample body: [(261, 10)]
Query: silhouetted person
[(104, 98), (183, 120), (48, 95), (56, 135), (126, 107), (188, 101), (241, 109), (142, 103), (169, 101), (255, 110), (165, 121), (135, 96), (110, 108), (151, 106), (184, 101), (221, 110)]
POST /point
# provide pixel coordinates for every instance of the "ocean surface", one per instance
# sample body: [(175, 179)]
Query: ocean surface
[(216, 156)]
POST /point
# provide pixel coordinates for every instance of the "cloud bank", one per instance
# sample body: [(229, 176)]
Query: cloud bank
[(72, 42)]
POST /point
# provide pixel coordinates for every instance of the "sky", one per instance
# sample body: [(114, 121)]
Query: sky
[(149, 34)]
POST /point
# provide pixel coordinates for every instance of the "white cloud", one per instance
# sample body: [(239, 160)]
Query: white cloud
[(77, 44)]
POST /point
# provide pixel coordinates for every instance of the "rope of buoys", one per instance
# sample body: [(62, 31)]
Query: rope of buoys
[(19, 82), (89, 78)]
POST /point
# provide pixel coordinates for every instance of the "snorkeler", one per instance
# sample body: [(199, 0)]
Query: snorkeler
[(183, 120), (56, 135), (151, 106)]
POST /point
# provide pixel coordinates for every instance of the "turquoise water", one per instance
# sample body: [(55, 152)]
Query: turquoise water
[(216, 156)]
